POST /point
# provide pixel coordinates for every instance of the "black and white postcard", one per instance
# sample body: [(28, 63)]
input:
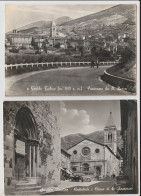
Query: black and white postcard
[(69, 104), (70, 147), (71, 49)]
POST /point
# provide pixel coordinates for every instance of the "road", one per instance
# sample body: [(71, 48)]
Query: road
[(103, 187), (62, 81)]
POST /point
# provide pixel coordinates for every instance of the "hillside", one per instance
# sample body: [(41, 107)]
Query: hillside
[(98, 136), (38, 24), (125, 71), (42, 25), (119, 19), (114, 21), (127, 11)]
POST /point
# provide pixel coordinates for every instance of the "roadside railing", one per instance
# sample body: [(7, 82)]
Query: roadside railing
[(55, 64)]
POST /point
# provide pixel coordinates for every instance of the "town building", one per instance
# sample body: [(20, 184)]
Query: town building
[(57, 42), (31, 146), (65, 159), (129, 133), (8, 45), (39, 41), (65, 164), (19, 40), (94, 158)]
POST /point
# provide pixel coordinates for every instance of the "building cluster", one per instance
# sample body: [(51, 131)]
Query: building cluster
[(55, 44), (96, 159)]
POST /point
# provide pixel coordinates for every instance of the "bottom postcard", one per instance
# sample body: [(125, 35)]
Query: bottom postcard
[(70, 147)]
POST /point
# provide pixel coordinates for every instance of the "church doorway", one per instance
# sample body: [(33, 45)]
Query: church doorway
[(26, 145), (98, 171), (85, 168)]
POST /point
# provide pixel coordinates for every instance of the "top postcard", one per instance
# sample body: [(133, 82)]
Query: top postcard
[(71, 49)]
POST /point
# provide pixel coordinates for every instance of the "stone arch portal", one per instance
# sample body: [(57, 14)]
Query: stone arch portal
[(26, 145)]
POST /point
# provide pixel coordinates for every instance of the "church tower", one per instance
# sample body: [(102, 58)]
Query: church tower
[(110, 134), (53, 29)]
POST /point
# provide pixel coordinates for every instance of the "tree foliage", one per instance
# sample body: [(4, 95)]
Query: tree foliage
[(39, 58)]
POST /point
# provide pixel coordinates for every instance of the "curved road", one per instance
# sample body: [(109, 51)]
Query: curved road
[(62, 81)]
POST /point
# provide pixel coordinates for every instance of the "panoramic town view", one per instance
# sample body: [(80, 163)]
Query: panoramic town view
[(64, 148), (52, 50)]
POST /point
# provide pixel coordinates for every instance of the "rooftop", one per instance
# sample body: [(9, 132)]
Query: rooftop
[(110, 122)]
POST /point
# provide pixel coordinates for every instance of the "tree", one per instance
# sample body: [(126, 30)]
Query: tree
[(57, 45), (127, 55), (95, 52)]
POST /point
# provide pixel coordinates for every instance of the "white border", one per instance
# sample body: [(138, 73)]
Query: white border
[(2, 73)]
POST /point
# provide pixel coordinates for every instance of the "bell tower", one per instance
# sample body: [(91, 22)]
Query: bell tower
[(53, 29), (110, 134)]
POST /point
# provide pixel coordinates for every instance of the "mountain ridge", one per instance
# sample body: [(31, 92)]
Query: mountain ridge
[(118, 16), (99, 15), (43, 24)]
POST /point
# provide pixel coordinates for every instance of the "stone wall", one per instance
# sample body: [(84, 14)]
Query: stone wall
[(65, 161), (119, 82), (112, 164), (129, 132), (48, 136)]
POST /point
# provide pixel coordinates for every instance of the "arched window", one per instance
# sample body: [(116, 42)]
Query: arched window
[(110, 136), (85, 167)]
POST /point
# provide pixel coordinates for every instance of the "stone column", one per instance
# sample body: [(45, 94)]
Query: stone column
[(37, 164), (104, 163), (30, 161), (13, 158), (34, 164)]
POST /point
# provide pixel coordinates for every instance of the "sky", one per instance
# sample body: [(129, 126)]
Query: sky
[(88, 116), (18, 15)]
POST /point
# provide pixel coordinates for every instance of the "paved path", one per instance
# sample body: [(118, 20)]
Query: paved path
[(62, 81)]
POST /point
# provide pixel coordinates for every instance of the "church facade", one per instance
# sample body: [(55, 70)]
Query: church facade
[(89, 157)]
